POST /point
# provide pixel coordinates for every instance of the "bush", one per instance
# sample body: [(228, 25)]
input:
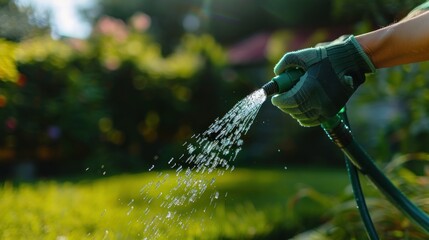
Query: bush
[(389, 222), (74, 99)]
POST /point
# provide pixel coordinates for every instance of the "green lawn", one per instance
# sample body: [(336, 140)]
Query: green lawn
[(250, 204)]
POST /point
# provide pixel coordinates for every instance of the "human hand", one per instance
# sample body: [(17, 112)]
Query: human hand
[(333, 73)]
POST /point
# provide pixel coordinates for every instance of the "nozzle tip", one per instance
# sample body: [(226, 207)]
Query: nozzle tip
[(270, 88)]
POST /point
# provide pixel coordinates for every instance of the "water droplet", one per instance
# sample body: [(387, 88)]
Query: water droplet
[(146, 211), (104, 173), (285, 167), (192, 198), (216, 196), (212, 181), (191, 148), (159, 195), (178, 170), (151, 167), (129, 211), (278, 150), (188, 172), (87, 169)]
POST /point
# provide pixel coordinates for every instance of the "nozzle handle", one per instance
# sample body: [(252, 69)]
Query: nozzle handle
[(288, 79), (283, 82)]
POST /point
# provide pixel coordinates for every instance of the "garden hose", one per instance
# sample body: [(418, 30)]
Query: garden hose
[(285, 82), (341, 135), (338, 131), (357, 190)]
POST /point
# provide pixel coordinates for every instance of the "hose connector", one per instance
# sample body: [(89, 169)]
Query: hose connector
[(338, 131)]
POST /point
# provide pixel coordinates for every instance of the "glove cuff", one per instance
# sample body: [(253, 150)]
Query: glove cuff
[(348, 55), (365, 61)]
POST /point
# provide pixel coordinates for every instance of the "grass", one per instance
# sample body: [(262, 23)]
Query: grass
[(251, 204)]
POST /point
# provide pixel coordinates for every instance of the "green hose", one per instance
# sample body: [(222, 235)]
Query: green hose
[(357, 190), (343, 138), (341, 135)]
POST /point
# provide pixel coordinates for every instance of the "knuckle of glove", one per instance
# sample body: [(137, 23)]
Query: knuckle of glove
[(302, 59), (294, 60)]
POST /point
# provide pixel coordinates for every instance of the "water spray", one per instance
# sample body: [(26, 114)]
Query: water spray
[(357, 159)]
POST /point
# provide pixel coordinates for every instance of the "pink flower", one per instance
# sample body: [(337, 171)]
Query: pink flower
[(112, 27), (140, 21)]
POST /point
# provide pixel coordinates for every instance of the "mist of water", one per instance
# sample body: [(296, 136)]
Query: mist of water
[(208, 153)]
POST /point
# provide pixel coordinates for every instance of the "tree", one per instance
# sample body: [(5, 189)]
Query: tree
[(16, 23)]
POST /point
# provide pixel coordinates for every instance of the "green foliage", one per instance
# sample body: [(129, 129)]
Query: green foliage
[(390, 223), (8, 69), (391, 111), (17, 22), (295, 13), (378, 12), (252, 204), (73, 99)]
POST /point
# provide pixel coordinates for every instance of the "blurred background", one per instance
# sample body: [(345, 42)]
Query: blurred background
[(124, 83), (95, 93)]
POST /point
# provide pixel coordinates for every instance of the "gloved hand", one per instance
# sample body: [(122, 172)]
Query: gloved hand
[(333, 73)]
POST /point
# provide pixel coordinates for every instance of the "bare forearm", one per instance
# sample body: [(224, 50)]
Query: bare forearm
[(404, 42)]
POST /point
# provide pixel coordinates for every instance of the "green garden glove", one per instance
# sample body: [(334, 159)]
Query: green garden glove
[(333, 73)]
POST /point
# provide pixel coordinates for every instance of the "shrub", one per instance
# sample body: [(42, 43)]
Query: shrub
[(113, 94)]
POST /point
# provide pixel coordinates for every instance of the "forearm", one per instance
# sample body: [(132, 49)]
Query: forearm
[(404, 42)]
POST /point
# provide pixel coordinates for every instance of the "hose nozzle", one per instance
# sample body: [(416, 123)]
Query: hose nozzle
[(283, 82), (270, 88)]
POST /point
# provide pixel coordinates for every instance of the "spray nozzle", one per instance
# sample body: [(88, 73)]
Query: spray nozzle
[(283, 82)]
